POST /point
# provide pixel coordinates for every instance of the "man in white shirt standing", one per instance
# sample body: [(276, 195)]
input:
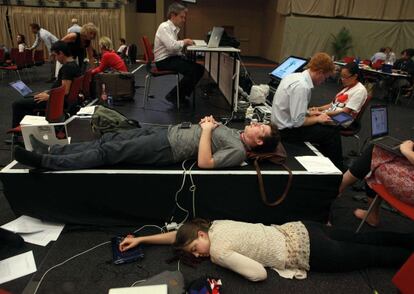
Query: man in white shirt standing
[(290, 110), (75, 28), (168, 52), (48, 38)]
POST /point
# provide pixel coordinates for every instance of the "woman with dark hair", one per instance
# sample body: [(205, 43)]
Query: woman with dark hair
[(291, 249), (351, 98), (21, 42)]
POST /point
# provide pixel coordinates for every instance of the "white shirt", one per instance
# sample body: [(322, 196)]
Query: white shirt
[(378, 56), (166, 41), (74, 29), (47, 37), (291, 100), (121, 48), (21, 47)]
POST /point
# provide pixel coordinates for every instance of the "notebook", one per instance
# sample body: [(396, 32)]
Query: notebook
[(200, 43), (214, 40), (380, 130), (22, 88), (156, 289)]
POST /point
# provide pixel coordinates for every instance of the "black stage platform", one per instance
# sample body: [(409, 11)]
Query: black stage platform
[(127, 195)]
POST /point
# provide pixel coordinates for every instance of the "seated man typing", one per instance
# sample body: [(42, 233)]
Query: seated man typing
[(214, 145), (67, 73)]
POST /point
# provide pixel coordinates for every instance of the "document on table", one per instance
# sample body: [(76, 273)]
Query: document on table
[(34, 230), (17, 266), (317, 164), (86, 111), (34, 120)]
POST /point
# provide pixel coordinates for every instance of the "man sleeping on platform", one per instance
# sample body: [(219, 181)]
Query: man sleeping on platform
[(212, 144)]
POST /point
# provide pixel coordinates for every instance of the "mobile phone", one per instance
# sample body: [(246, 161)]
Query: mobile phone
[(185, 125)]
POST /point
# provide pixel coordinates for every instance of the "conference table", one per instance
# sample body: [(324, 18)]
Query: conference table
[(368, 69)]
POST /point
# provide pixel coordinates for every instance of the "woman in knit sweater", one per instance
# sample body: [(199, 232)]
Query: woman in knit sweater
[(290, 249)]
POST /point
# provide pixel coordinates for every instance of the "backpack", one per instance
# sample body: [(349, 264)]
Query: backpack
[(105, 120), (278, 156)]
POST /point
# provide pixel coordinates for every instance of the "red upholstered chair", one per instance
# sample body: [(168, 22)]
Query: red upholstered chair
[(54, 112), (13, 54), (2, 55), (86, 85), (403, 279), (19, 65), (382, 192), (348, 59), (153, 72), (72, 99), (39, 57), (355, 127)]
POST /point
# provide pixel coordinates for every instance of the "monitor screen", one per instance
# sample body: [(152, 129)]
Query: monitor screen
[(288, 66), (379, 121)]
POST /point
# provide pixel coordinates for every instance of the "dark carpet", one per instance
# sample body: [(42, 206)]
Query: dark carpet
[(94, 273)]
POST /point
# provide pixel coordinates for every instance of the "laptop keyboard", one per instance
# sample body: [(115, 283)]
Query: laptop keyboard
[(389, 141)]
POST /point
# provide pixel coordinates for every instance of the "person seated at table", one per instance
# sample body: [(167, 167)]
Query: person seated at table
[(21, 42), (168, 53), (213, 145), (109, 59), (391, 58), (380, 55), (351, 98), (395, 172), (291, 249), (122, 50), (67, 73)]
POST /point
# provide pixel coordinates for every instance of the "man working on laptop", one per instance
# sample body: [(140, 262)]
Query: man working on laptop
[(67, 73), (290, 109), (213, 145), (168, 53)]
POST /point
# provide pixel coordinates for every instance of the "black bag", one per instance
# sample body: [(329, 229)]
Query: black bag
[(277, 157), (132, 53), (120, 85)]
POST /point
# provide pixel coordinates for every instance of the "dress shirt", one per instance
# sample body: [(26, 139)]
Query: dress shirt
[(166, 42), (47, 37), (74, 29)]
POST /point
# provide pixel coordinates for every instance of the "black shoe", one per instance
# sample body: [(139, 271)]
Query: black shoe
[(38, 147), (27, 157)]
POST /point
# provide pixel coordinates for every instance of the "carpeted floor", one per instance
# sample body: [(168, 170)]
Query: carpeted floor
[(94, 273)]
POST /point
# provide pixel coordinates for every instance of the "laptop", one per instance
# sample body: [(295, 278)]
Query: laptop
[(341, 118), (214, 40), (49, 134), (23, 89), (380, 130)]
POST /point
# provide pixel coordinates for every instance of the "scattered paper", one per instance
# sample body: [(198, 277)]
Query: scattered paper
[(34, 120), (86, 111), (17, 266), (34, 230), (317, 164)]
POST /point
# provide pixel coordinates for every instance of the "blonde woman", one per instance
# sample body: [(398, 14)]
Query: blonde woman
[(81, 42), (109, 59)]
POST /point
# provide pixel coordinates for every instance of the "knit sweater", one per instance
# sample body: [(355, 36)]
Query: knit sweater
[(248, 248)]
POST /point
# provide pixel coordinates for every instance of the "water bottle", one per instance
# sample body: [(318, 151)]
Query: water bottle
[(249, 113), (357, 60), (104, 96), (110, 100)]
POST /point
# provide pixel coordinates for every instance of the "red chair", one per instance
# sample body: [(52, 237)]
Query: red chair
[(19, 65), (2, 55), (53, 113), (39, 58), (378, 64), (403, 279), (348, 59), (13, 54), (153, 72), (382, 192), (72, 99), (86, 85), (355, 127)]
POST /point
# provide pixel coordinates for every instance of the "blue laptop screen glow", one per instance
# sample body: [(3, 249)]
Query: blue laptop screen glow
[(21, 87), (379, 121), (288, 66)]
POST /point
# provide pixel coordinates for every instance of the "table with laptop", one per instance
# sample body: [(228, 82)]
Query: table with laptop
[(221, 63), (386, 70)]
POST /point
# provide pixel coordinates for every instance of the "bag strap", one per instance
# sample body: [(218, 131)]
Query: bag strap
[(262, 188)]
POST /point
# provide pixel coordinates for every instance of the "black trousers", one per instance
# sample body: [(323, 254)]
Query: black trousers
[(25, 106), (192, 72), (337, 250), (362, 166), (327, 137)]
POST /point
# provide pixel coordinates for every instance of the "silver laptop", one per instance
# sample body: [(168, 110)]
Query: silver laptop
[(156, 289), (22, 88), (214, 41), (380, 130), (50, 134)]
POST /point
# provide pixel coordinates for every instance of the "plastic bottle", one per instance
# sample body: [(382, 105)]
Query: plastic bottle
[(249, 112), (110, 100), (104, 96)]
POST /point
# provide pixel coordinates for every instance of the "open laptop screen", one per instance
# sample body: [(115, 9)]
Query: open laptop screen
[(21, 87), (379, 121), (288, 66)]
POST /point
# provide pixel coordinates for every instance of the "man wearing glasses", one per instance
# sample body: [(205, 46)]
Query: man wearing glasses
[(290, 109)]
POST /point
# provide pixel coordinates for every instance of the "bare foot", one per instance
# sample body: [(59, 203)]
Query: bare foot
[(372, 220)]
